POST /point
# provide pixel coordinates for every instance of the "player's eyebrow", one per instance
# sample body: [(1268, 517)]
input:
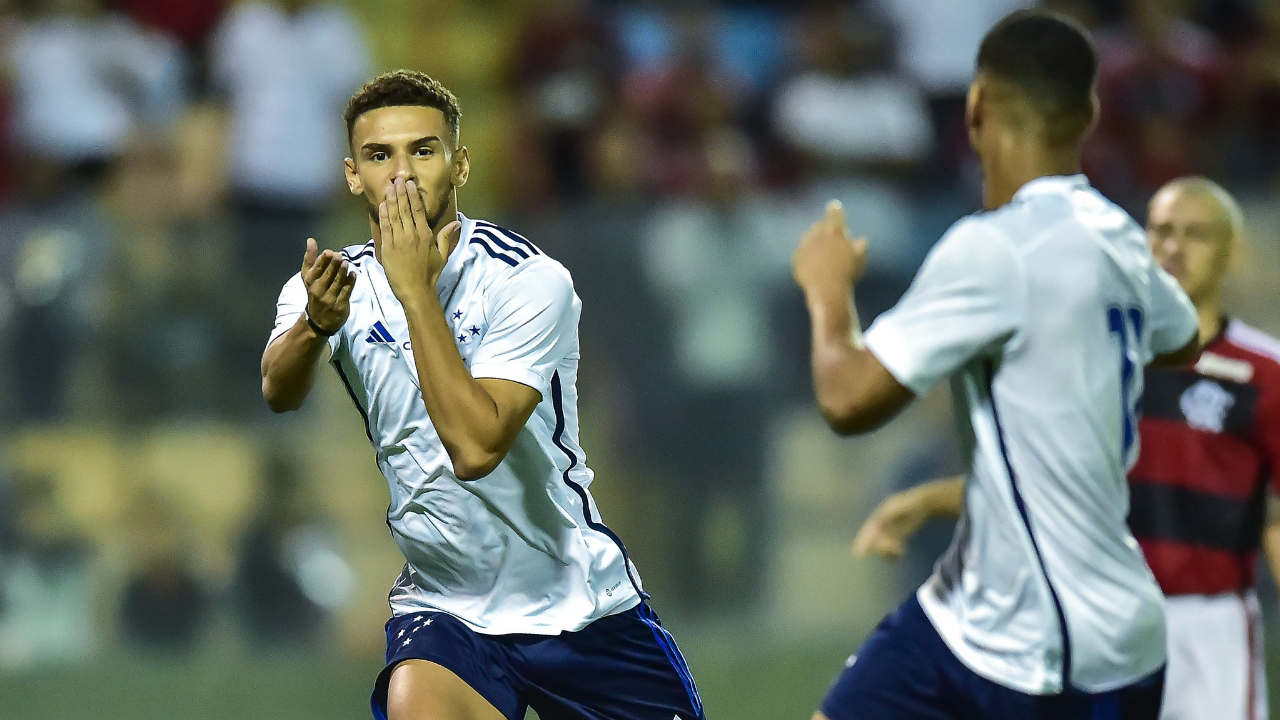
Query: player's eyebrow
[(371, 147)]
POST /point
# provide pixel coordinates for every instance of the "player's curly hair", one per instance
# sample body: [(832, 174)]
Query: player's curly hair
[(404, 87)]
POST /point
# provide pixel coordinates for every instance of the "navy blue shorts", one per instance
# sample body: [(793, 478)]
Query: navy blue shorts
[(905, 671), (621, 667)]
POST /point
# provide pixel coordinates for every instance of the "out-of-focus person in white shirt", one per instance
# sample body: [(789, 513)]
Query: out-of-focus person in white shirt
[(286, 69), (84, 80)]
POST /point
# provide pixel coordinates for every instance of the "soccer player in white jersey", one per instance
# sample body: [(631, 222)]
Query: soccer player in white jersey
[(1042, 311), (457, 341), (1210, 437)]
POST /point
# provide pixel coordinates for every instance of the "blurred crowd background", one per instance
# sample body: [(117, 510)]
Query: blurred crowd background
[(163, 161)]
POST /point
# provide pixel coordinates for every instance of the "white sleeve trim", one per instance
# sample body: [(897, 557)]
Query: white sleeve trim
[(886, 344), (513, 372)]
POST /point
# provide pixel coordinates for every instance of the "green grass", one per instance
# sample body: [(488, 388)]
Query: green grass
[(740, 679), (737, 681)]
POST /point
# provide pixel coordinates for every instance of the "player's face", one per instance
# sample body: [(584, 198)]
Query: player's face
[(1191, 238), (410, 142)]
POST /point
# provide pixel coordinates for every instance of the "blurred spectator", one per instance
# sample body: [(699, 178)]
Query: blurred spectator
[(164, 605), (563, 70), (190, 21), (937, 43), (290, 579), (45, 594), (57, 239), (718, 263), (1252, 137), (843, 108), (168, 277), (679, 111), (742, 43), (287, 68), (1160, 80), (84, 80)]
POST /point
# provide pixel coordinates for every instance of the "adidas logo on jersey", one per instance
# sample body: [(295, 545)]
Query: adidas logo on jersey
[(379, 334)]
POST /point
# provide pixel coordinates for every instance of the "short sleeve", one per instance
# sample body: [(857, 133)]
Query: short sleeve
[(968, 295), (291, 306), (1171, 316), (532, 317)]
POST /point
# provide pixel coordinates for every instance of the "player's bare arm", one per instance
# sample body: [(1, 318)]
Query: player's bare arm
[(478, 420), (855, 392), (289, 363), (890, 525)]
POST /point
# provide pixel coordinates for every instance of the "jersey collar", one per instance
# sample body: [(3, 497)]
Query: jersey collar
[(457, 259), (1052, 185)]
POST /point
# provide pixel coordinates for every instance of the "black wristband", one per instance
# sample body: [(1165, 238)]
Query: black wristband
[(317, 329)]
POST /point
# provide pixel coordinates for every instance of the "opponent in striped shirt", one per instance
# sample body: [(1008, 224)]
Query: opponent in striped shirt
[(1210, 461), (458, 343)]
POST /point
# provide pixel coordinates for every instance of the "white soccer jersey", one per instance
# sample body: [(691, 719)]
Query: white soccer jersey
[(521, 550), (1043, 313)]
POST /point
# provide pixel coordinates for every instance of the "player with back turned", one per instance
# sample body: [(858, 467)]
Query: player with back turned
[(1210, 434), (457, 341), (1042, 312)]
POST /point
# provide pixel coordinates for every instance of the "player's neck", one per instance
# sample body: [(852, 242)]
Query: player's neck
[(1209, 314), (1017, 160)]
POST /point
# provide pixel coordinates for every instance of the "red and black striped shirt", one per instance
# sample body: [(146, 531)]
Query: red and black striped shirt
[(1210, 447)]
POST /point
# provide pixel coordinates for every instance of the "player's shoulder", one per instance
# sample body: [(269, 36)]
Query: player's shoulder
[(1257, 347), (357, 255), (511, 256), (975, 244)]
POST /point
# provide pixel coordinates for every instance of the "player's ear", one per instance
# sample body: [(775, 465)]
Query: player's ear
[(461, 167), (1095, 113), (973, 108), (353, 179)]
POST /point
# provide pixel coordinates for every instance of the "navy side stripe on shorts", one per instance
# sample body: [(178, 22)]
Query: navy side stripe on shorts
[(668, 645)]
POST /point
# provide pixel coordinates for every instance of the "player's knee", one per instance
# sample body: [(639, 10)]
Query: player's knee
[(819, 716)]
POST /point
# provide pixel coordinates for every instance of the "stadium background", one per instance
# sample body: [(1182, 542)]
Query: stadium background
[(168, 548)]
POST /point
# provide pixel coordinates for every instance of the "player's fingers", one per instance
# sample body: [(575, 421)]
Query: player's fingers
[(403, 211), (309, 257), (384, 224), (311, 274), (835, 214), (889, 548), (447, 236), (325, 280), (393, 217), (335, 283), (860, 246), (344, 294), (866, 537), (417, 210)]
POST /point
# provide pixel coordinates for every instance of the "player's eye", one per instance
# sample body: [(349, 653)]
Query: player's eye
[(378, 157), (425, 152)]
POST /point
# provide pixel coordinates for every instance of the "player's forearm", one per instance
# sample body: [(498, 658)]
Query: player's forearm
[(839, 359), (941, 498), (464, 414), (289, 367)]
